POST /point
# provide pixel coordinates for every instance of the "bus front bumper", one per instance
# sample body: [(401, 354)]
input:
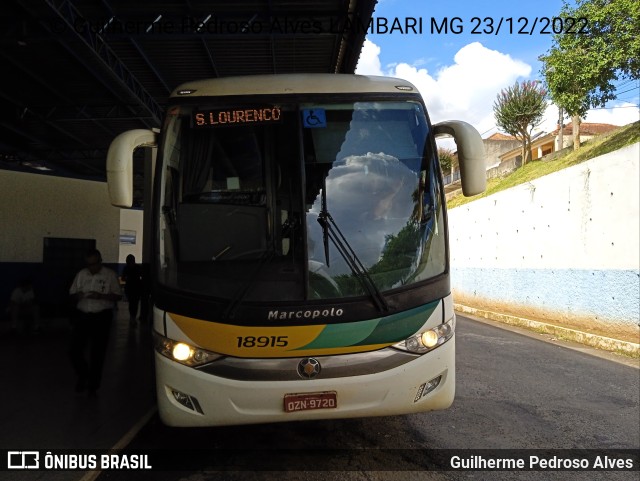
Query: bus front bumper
[(191, 397)]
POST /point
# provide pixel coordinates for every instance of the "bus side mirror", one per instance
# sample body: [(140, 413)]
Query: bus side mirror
[(471, 154), (120, 164)]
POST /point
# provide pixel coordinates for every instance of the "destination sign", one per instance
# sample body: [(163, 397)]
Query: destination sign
[(219, 118)]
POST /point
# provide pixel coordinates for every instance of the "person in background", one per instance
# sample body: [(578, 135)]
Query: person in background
[(96, 290), (132, 276), (23, 307)]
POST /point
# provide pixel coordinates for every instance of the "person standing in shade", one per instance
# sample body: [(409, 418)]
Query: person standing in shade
[(23, 307), (96, 290), (132, 275)]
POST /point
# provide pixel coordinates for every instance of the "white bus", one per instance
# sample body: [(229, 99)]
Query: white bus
[(300, 255)]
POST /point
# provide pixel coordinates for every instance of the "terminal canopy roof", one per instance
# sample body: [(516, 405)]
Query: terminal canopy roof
[(75, 73)]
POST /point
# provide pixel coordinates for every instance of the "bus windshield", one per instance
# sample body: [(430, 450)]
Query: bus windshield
[(298, 201)]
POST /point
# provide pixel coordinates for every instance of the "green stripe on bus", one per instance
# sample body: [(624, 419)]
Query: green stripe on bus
[(400, 326), (385, 330)]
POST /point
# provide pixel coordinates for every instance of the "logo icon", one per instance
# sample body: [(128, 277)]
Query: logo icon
[(23, 460), (309, 368)]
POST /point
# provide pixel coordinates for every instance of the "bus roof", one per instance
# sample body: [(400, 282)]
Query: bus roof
[(292, 84)]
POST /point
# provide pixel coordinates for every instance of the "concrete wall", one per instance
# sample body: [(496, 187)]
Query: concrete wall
[(37, 206), (562, 247), (495, 148), (504, 168)]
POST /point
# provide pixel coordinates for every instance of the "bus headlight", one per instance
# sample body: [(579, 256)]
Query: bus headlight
[(428, 340), (182, 352)]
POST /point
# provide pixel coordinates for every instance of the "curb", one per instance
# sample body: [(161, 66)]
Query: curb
[(626, 348)]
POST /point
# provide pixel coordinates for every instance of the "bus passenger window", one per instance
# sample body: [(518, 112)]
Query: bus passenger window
[(224, 159), (240, 161)]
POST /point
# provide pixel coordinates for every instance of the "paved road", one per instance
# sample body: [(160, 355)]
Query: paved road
[(514, 392)]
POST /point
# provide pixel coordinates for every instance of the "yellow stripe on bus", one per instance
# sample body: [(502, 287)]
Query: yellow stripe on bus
[(252, 341)]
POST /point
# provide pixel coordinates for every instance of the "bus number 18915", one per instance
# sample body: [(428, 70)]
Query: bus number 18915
[(262, 341)]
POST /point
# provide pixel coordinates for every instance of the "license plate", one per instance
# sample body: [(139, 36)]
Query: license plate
[(310, 401)]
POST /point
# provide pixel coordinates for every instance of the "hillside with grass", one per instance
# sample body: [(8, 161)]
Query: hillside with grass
[(603, 144)]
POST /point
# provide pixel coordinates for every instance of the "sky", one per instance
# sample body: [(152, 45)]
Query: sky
[(460, 73)]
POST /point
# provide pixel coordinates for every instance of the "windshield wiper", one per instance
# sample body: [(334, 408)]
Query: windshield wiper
[(330, 230), (321, 219), (241, 293)]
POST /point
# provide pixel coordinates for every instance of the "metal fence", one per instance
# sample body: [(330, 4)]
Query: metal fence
[(449, 179)]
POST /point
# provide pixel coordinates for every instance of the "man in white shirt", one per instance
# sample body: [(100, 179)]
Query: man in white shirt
[(96, 290)]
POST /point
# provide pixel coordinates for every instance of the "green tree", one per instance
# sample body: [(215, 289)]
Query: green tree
[(581, 67), (447, 160), (569, 81), (518, 109)]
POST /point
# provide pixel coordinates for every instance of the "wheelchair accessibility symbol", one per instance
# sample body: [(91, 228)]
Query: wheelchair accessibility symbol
[(314, 118)]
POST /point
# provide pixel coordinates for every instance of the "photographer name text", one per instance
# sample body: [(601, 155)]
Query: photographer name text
[(554, 463), (212, 25)]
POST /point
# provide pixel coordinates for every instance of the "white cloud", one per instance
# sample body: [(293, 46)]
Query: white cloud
[(466, 89), (550, 120), (621, 114), (369, 62)]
